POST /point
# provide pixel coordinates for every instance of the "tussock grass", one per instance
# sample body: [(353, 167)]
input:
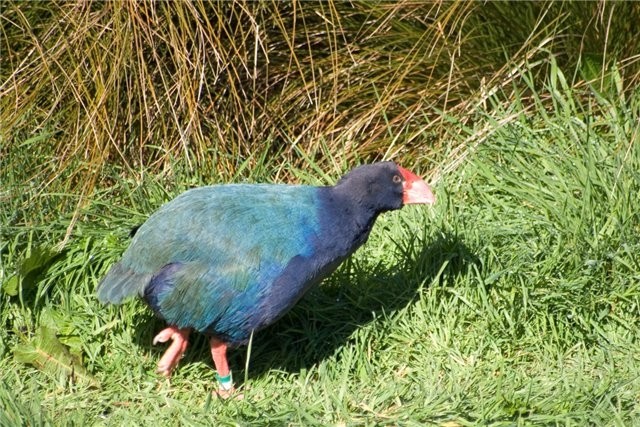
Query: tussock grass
[(93, 91)]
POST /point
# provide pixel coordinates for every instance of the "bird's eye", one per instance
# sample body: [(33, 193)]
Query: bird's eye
[(397, 179)]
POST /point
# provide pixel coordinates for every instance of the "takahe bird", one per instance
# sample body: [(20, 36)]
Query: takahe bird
[(228, 260)]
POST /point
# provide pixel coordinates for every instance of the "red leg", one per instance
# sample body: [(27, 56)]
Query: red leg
[(219, 355), (171, 357)]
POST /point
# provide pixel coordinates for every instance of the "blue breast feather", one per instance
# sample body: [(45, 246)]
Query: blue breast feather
[(230, 259)]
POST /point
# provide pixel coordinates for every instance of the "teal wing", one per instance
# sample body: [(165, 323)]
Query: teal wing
[(214, 251)]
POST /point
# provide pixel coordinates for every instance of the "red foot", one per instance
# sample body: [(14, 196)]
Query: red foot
[(172, 356), (219, 355), (227, 394)]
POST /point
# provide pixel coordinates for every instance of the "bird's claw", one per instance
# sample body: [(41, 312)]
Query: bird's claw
[(165, 335), (227, 394), (174, 353), (165, 369)]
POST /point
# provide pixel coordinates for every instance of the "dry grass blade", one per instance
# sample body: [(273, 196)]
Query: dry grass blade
[(135, 85)]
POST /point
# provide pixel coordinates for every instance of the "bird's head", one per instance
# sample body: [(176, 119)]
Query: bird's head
[(385, 186)]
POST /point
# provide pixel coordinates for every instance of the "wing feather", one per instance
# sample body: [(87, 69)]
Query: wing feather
[(227, 244)]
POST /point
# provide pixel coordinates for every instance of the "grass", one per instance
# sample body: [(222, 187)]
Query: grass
[(132, 86), (514, 301)]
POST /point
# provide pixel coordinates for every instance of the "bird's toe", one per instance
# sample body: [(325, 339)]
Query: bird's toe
[(173, 354), (228, 394), (165, 335), (164, 369)]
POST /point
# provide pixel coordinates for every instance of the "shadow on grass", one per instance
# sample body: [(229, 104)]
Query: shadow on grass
[(325, 319)]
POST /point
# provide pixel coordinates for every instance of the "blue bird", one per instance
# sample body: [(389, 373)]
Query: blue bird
[(229, 260)]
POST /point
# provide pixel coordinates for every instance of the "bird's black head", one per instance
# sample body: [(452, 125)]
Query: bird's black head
[(384, 186)]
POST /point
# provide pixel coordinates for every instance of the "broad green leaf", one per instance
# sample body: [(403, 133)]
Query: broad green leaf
[(30, 270), (65, 329), (10, 286), (39, 258), (48, 354)]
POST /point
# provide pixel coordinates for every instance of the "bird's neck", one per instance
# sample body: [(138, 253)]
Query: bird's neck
[(348, 216)]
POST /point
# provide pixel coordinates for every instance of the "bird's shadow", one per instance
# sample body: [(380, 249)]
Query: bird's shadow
[(327, 317)]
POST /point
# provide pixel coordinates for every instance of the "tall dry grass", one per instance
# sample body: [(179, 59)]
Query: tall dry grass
[(93, 90)]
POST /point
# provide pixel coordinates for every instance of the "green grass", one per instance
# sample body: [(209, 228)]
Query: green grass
[(514, 301)]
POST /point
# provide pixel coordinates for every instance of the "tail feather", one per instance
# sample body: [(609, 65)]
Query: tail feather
[(121, 283)]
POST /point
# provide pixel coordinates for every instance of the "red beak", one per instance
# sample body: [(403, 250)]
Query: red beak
[(414, 189)]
